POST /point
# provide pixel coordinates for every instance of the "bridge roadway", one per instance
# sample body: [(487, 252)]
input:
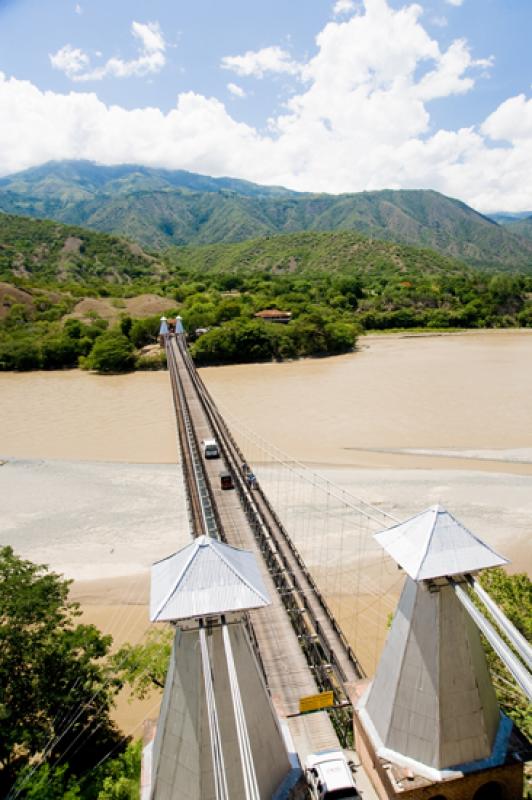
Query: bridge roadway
[(300, 647)]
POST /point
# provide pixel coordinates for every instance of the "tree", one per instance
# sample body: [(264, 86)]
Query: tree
[(122, 781), (125, 324), (59, 352), (112, 352), (513, 593), (143, 666), (57, 688), (145, 331)]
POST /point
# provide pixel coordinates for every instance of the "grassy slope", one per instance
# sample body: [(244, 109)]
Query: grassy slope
[(41, 250)]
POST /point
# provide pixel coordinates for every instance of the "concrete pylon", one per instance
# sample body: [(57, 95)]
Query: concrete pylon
[(218, 736), (182, 763), (431, 706)]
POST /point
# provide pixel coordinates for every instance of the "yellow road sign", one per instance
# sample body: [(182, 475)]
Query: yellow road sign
[(313, 702)]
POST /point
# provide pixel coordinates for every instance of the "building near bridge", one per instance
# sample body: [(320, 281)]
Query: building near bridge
[(274, 315)]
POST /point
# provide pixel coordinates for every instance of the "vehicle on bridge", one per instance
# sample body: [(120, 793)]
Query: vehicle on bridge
[(210, 448), (329, 776), (226, 480)]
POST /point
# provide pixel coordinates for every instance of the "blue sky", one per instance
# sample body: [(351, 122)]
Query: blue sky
[(337, 95)]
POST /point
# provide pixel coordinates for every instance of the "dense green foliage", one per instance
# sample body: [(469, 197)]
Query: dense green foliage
[(159, 208), (39, 339), (57, 687), (115, 779), (513, 594), (112, 352), (143, 666)]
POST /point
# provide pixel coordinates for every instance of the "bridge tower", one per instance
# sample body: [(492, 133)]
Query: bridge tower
[(218, 736), (429, 726), (163, 330)]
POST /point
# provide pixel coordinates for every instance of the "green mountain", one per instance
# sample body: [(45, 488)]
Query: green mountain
[(506, 217), (68, 181), (43, 251), (521, 227), (158, 208)]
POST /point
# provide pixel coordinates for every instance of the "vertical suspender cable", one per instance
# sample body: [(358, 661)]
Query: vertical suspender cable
[(220, 780), (246, 756)]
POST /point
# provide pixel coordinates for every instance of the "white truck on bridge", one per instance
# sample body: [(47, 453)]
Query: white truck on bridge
[(329, 776)]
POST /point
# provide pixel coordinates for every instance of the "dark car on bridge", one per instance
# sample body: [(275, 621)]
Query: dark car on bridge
[(226, 480)]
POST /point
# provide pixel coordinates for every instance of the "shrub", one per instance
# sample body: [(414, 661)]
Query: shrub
[(112, 352)]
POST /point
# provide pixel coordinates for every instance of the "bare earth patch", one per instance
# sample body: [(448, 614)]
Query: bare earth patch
[(145, 305), (9, 295), (72, 245)]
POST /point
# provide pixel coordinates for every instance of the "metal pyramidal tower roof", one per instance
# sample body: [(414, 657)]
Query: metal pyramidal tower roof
[(205, 578), (433, 544)]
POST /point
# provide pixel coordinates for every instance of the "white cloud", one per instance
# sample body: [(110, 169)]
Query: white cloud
[(449, 77), (78, 9), (70, 60), (236, 90), (454, 2), (343, 7), (259, 62), (150, 35), (75, 63), (511, 122), (360, 120)]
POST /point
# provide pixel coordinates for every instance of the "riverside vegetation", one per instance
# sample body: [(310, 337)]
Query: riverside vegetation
[(335, 285)]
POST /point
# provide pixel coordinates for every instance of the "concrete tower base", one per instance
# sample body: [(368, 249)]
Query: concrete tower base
[(391, 782)]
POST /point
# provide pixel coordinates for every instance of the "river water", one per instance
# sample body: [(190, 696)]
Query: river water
[(467, 396)]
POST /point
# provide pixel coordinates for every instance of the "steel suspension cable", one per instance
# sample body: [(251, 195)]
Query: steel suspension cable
[(220, 779), (246, 756)]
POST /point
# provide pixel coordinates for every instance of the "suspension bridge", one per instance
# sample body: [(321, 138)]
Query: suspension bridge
[(298, 639)]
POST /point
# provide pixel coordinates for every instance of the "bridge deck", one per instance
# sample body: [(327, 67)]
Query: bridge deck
[(287, 673)]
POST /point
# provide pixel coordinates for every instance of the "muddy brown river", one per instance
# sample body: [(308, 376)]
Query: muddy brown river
[(466, 395)]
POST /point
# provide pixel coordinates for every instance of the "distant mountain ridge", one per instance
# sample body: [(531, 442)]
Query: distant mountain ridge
[(158, 208), (76, 180)]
